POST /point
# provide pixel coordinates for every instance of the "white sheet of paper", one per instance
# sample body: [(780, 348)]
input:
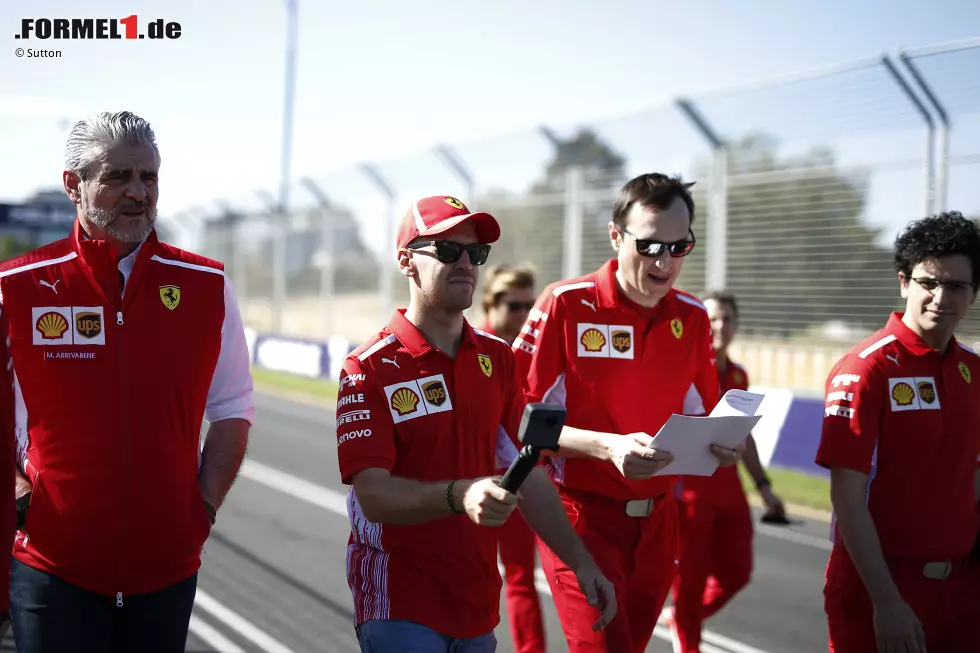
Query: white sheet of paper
[(689, 438)]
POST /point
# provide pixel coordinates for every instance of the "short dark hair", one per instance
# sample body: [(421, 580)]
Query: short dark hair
[(501, 279), (944, 234), (723, 298), (653, 191)]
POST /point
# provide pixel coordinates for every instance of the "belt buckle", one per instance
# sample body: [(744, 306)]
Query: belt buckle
[(937, 570), (639, 508)]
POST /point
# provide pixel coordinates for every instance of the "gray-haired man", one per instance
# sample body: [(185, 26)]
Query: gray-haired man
[(120, 345)]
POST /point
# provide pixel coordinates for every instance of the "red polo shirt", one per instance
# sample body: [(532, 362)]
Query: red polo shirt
[(724, 487), (909, 417), (407, 407), (616, 368)]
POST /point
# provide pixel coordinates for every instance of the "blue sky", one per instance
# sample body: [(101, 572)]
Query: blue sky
[(381, 81)]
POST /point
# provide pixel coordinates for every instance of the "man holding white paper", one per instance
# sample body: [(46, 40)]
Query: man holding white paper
[(621, 350)]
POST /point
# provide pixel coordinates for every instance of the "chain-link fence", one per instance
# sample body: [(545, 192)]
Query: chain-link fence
[(802, 184)]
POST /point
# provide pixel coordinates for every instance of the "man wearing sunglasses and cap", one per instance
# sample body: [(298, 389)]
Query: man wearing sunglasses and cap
[(622, 351), (428, 410)]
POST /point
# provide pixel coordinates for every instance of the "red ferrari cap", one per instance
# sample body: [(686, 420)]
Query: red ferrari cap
[(438, 214)]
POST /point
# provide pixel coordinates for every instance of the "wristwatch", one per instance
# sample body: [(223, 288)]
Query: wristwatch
[(22, 503)]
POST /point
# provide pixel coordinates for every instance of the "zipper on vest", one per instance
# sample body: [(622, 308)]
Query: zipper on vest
[(121, 349)]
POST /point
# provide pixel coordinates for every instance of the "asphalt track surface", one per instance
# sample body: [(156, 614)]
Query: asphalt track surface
[(273, 577)]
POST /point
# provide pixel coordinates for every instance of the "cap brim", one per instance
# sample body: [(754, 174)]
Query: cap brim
[(487, 227)]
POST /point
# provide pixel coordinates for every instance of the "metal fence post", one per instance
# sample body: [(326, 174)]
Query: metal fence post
[(327, 248), (941, 183), (452, 160), (930, 129), (280, 234), (571, 263), (384, 186), (716, 260)]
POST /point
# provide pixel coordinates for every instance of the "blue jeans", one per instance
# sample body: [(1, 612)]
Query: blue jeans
[(388, 636), (51, 615)]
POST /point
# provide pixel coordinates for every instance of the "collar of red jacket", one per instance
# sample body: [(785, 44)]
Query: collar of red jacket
[(909, 338), (609, 294), (413, 340), (103, 256)]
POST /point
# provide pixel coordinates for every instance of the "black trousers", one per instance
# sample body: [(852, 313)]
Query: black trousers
[(52, 616)]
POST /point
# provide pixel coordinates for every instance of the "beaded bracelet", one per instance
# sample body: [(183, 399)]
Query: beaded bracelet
[(449, 498)]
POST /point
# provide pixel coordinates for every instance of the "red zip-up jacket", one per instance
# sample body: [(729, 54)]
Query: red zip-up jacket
[(8, 519), (111, 385)]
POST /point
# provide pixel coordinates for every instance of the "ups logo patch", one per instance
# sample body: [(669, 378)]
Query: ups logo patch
[(434, 392), (622, 341)]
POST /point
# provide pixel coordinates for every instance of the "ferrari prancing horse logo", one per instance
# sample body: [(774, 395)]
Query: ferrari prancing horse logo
[(486, 364), (170, 296)]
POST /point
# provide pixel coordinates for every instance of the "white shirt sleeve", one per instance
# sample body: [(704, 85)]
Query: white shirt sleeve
[(230, 394)]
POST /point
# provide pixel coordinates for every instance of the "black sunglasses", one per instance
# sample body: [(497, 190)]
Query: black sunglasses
[(519, 306), (449, 251), (655, 248)]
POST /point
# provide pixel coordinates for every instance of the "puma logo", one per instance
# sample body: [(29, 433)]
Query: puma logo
[(589, 304), (392, 361), (42, 282), (893, 359)]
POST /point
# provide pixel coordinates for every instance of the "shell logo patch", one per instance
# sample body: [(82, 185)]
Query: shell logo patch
[(486, 364), (605, 341), (913, 393), (965, 372), (903, 394), (52, 325), (455, 203), (677, 328), (68, 325), (593, 340), (404, 401)]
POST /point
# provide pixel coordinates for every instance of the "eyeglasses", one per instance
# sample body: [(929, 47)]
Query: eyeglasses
[(931, 285), (519, 306), (655, 248), (449, 251)]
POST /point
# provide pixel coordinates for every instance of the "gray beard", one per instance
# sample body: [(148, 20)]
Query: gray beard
[(106, 220)]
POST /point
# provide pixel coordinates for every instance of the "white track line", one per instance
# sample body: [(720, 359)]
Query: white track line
[(238, 623), (336, 503), (210, 636)]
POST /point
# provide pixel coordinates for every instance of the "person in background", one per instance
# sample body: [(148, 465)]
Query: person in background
[(622, 350), (508, 297), (901, 438), (715, 560)]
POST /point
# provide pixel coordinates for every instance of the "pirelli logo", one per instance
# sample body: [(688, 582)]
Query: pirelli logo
[(604, 341)]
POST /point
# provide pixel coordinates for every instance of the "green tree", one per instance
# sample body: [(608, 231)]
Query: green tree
[(799, 255), (11, 247), (533, 224)]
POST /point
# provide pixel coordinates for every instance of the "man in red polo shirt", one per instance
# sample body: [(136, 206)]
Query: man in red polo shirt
[(428, 410), (901, 437), (715, 556), (622, 350)]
